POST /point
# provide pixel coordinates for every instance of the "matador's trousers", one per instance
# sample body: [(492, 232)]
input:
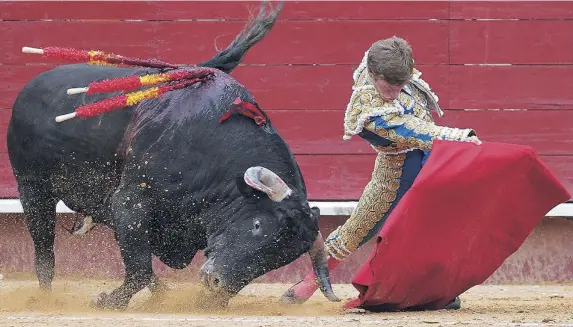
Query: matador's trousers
[(392, 176)]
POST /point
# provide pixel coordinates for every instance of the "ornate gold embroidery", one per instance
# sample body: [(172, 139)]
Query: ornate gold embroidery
[(421, 108), (363, 104), (363, 79), (406, 100), (370, 98), (375, 201), (418, 126)]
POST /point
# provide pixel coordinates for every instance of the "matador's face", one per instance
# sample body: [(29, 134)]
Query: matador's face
[(388, 92)]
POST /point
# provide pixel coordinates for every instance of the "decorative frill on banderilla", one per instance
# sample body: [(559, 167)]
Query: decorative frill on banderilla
[(175, 78)]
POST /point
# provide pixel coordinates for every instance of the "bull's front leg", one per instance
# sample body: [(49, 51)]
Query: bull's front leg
[(132, 235)]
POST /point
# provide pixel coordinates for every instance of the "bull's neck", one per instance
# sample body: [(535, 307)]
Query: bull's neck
[(216, 209)]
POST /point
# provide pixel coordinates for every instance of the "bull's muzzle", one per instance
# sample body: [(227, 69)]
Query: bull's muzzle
[(209, 277), (215, 293)]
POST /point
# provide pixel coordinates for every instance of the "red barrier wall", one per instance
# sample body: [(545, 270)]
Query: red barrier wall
[(301, 72), (544, 257), (503, 68)]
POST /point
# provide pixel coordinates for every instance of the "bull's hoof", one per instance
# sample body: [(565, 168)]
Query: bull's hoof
[(158, 288), (108, 302), (456, 304), (208, 300), (45, 290), (289, 297)]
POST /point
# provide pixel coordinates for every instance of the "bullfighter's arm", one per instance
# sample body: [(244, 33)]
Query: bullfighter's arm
[(392, 121), (414, 132)]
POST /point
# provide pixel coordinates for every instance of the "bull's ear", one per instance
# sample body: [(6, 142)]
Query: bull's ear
[(247, 191)]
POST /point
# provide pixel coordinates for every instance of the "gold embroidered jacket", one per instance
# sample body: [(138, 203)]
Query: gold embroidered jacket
[(399, 126)]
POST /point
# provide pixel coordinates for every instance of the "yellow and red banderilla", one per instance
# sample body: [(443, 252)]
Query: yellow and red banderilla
[(180, 78), (126, 100), (96, 57), (134, 82)]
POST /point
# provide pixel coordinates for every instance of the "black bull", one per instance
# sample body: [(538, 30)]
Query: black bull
[(166, 177)]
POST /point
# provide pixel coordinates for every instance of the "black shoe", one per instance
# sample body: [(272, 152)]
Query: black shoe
[(456, 304)]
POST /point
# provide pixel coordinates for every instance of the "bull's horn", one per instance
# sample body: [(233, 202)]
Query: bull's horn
[(319, 264), (265, 180)]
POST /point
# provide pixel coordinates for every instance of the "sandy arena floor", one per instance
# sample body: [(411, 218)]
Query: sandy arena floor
[(257, 305)]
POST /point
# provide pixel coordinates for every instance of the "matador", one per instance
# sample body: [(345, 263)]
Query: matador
[(390, 107)]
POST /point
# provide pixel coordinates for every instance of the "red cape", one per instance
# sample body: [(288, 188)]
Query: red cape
[(469, 209)]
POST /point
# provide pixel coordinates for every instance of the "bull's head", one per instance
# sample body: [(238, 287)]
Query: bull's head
[(272, 226)]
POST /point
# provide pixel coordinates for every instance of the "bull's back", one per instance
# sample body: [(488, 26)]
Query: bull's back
[(184, 131), (77, 156), (34, 131), (191, 119)]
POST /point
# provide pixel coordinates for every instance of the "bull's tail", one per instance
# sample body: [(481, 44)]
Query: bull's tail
[(253, 32)]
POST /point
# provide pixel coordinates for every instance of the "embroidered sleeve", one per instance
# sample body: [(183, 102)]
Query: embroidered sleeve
[(365, 103), (411, 131)]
